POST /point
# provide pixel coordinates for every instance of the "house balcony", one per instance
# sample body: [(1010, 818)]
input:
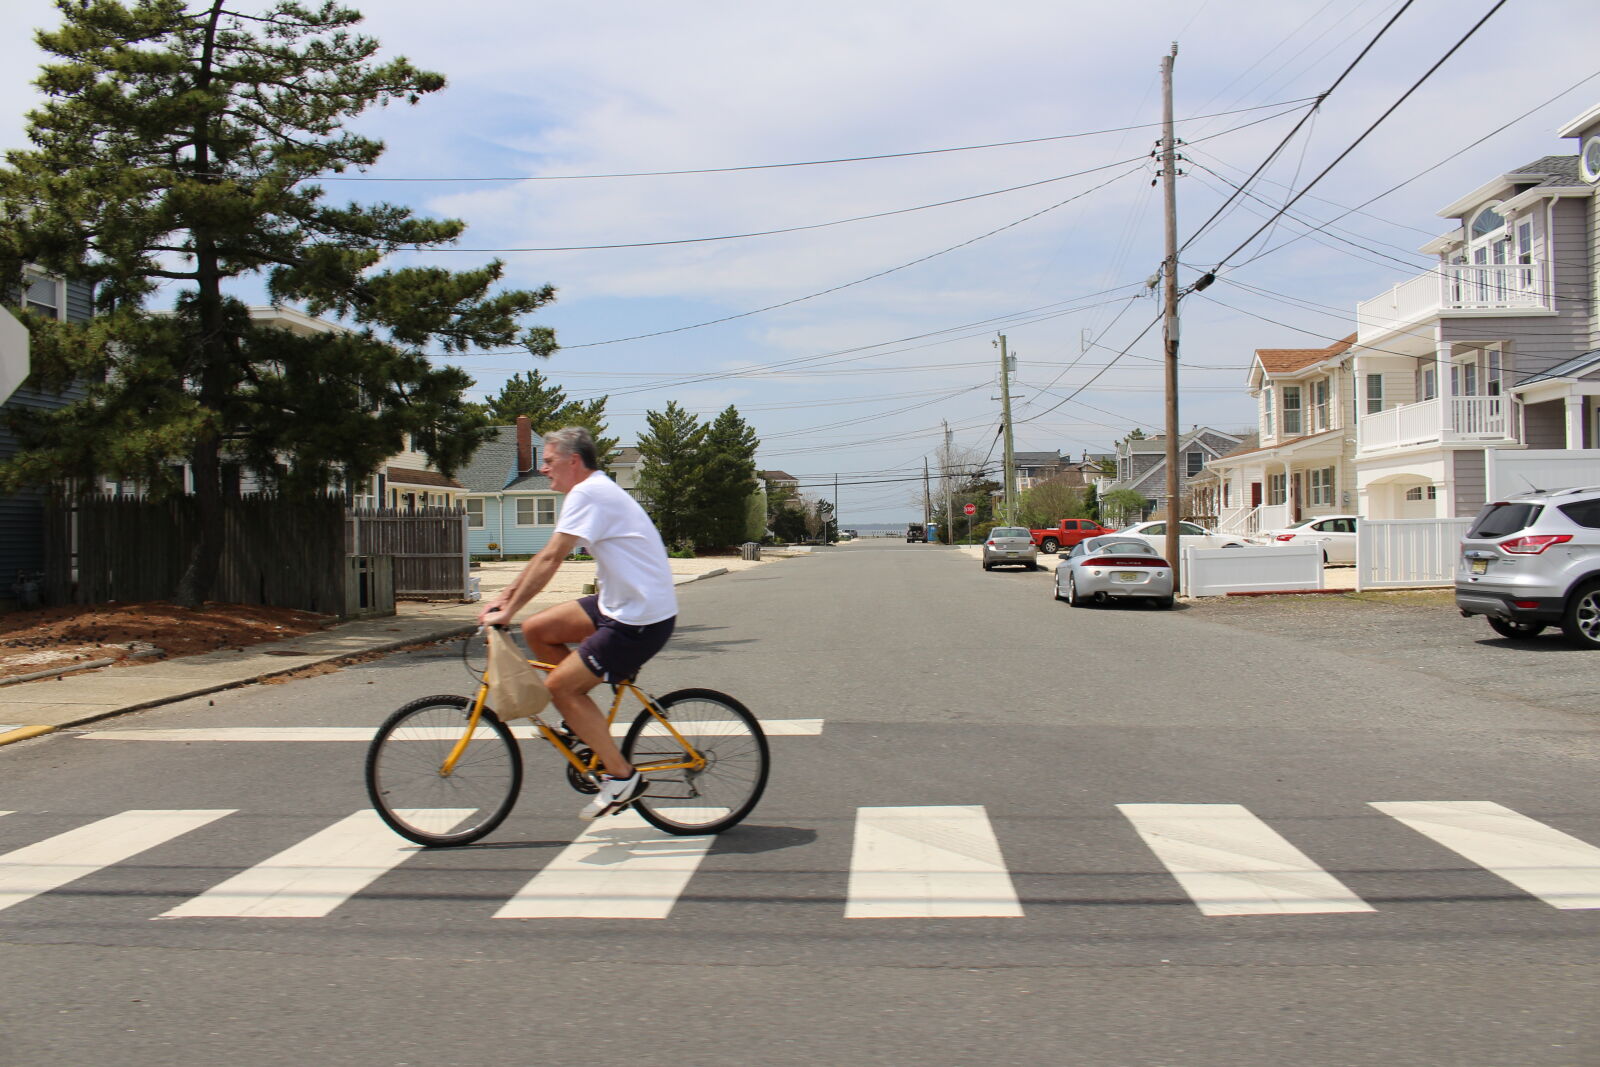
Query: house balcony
[(1457, 289), (1482, 420)]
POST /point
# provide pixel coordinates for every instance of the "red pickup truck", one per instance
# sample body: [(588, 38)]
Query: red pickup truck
[(1068, 533)]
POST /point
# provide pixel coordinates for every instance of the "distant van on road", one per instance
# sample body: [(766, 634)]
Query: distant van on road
[(914, 532)]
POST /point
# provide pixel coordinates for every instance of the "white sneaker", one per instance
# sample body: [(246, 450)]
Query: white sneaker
[(615, 794)]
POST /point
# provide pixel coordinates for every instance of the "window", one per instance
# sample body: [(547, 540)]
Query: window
[(1266, 411), (1277, 488), (1189, 529), (1319, 405), (1585, 513), (475, 513), (1486, 222), (43, 295), (1322, 487), (547, 510), (1196, 460), (1493, 371), (1291, 410), (1428, 382), (1416, 492), (1374, 393), (1498, 520), (524, 511), (1155, 529)]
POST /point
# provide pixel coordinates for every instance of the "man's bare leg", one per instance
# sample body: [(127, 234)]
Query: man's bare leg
[(550, 632), (569, 686)]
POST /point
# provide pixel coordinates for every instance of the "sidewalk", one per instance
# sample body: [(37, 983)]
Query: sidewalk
[(31, 709)]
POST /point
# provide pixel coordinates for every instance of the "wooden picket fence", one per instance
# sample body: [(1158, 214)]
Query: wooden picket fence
[(429, 546), (128, 549)]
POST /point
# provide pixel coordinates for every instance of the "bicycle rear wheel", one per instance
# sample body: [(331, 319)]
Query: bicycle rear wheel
[(721, 793), (415, 799)]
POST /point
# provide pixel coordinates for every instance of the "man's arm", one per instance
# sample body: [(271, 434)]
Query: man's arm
[(534, 577)]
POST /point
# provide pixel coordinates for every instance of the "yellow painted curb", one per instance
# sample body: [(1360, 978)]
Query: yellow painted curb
[(22, 733)]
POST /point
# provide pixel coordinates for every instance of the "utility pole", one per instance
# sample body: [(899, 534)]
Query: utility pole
[(1010, 481), (1169, 179), (949, 507), (927, 500), (835, 505)]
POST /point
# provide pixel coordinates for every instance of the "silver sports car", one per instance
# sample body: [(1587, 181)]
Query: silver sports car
[(1113, 565)]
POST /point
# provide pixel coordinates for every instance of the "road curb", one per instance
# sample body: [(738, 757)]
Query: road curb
[(22, 733)]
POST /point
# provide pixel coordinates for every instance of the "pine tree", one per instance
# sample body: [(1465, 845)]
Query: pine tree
[(548, 408), (670, 469), (179, 149), (727, 481)]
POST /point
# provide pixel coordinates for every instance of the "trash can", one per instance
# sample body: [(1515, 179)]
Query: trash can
[(750, 550)]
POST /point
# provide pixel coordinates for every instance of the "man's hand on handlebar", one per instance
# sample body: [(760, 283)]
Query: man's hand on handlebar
[(494, 613)]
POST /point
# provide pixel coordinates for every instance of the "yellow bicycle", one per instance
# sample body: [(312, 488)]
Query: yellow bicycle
[(445, 770)]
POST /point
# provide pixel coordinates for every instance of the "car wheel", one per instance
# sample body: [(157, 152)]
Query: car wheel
[(1233, 544), (1033, 566), (1515, 630), (1582, 619), (1166, 603), (1058, 588), (1049, 544), (987, 565), (1072, 592)]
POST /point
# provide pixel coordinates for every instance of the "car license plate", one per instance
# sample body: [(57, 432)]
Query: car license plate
[(1480, 566), (1129, 576)]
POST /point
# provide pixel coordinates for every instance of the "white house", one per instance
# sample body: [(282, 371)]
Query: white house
[(1497, 347)]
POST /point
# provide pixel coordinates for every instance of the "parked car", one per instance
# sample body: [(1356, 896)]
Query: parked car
[(914, 533), (1067, 533), (1533, 561), (1190, 535), (1335, 533), (1010, 544), (1111, 567)]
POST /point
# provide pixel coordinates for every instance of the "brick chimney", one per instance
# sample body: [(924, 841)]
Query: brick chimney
[(524, 446)]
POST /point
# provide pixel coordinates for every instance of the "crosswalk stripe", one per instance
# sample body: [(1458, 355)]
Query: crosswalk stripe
[(309, 879), (772, 728), (618, 868), (1556, 867), (55, 861), (928, 862), (1232, 863)]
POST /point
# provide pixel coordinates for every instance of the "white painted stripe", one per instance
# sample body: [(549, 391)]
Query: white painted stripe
[(1232, 863), (1556, 867), (618, 868), (772, 727), (64, 858), (928, 862), (308, 880)]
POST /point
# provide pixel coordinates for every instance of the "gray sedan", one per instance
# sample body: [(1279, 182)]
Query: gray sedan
[(1010, 544), (1114, 565)]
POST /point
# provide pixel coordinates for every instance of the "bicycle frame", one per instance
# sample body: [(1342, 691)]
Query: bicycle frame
[(692, 761)]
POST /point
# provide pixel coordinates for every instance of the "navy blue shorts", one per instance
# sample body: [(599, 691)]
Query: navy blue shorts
[(617, 651)]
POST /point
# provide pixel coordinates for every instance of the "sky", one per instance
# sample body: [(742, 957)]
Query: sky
[(852, 346)]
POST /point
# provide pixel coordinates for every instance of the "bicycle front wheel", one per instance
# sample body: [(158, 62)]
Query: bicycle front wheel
[(715, 796), (417, 800)]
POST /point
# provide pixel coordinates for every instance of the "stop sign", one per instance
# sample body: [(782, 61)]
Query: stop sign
[(969, 508)]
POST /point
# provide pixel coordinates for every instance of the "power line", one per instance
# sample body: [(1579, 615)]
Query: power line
[(1366, 133), (804, 163)]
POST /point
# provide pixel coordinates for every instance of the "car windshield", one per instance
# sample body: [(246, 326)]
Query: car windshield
[(1498, 520)]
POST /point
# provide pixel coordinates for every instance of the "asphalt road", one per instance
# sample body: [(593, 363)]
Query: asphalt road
[(1044, 754)]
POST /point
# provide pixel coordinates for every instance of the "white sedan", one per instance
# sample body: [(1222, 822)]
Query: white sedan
[(1336, 534), (1190, 535)]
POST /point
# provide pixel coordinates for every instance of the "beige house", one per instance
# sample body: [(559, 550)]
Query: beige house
[(1302, 462)]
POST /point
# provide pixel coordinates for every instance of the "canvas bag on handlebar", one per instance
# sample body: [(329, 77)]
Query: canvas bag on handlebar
[(516, 689)]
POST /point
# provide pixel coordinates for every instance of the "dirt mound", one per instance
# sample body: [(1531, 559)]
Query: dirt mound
[(59, 637)]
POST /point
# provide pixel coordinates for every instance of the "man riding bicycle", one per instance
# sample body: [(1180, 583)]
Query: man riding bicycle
[(618, 629)]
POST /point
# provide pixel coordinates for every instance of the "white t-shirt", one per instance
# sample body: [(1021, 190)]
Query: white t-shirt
[(630, 558)]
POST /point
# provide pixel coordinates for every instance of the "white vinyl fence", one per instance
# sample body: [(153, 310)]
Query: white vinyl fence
[(1401, 553), (1508, 472), (1251, 569)]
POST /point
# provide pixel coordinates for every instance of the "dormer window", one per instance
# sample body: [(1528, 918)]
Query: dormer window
[(1486, 222)]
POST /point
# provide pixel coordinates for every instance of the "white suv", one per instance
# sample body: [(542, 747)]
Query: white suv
[(1534, 561)]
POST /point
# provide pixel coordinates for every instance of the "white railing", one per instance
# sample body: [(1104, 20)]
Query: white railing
[(1252, 569), (1455, 287), (1395, 553), (1240, 522), (1471, 418)]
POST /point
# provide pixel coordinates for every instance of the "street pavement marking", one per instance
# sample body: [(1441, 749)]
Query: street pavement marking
[(1559, 869), (1232, 863), (772, 728), (309, 879), (928, 862), (619, 868), (55, 861)]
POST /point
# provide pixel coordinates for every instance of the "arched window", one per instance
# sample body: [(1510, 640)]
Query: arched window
[(1489, 248), (1486, 222)]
